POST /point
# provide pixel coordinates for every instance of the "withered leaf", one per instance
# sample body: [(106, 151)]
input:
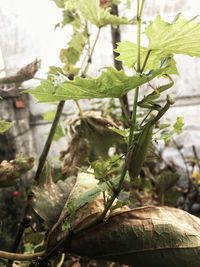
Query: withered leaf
[(50, 198), (143, 237), (12, 170), (91, 140)]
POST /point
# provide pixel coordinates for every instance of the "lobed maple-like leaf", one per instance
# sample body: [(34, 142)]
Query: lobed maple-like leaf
[(128, 55), (179, 37), (92, 11), (111, 83)]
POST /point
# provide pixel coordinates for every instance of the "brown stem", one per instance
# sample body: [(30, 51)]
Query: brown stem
[(116, 38), (19, 257), (196, 156)]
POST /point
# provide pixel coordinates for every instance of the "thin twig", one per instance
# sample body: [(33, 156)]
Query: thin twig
[(20, 257), (196, 156), (116, 38)]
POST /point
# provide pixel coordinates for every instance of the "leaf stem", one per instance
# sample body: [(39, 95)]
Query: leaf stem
[(145, 61), (141, 8), (49, 140), (79, 108), (134, 112), (116, 38), (90, 54)]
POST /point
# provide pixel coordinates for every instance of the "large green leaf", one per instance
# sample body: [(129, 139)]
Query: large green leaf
[(128, 55), (111, 83), (4, 126), (97, 15), (180, 37)]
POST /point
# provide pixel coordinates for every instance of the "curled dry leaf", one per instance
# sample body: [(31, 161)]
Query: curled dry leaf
[(14, 169), (84, 183), (143, 237), (24, 74), (50, 198), (91, 140), (83, 200)]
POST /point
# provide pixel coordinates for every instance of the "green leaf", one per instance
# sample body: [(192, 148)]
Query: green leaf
[(180, 37), (111, 83), (60, 3), (178, 125), (76, 45), (97, 15), (69, 55), (128, 55), (4, 126)]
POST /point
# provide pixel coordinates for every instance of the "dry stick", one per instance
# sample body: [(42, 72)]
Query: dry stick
[(196, 156), (190, 184), (116, 38), (26, 221), (19, 257)]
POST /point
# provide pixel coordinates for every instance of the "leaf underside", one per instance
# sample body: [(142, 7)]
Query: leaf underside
[(180, 37), (111, 84)]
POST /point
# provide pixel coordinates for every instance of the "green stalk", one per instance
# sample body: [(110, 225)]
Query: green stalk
[(134, 113), (83, 73)]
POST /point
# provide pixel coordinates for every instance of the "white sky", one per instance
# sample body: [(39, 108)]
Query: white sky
[(35, 21)]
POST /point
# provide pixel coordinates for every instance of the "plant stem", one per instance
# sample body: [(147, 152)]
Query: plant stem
[(83, 73), (141, 8), (145, 61), (196, 156), (90, 54), (116, 38), (79, 108), (134, 113), (49, 140)]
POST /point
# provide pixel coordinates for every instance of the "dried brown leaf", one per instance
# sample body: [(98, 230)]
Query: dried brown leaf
[(143, 237), (91, 140)]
